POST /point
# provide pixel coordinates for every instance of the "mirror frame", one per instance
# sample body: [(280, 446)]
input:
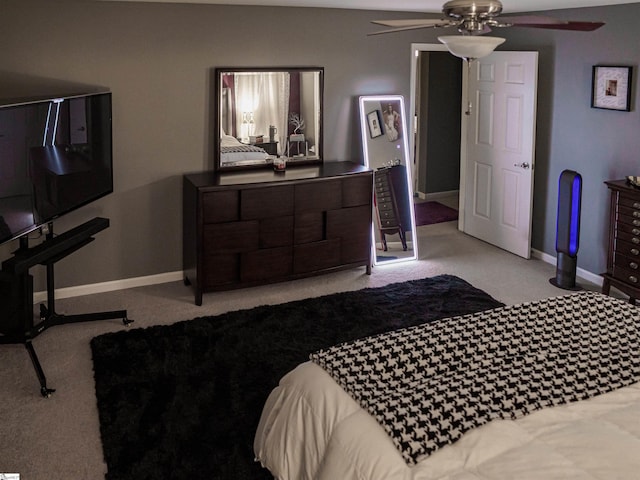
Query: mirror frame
[(408, 164), (292, 161)]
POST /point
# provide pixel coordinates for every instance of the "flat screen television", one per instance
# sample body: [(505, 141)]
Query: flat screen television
[(55, 156)]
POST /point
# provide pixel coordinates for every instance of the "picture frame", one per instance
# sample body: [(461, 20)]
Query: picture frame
[(611, 87), (375, 123)]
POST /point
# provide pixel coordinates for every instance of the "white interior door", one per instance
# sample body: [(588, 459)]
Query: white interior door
[(497, 152)]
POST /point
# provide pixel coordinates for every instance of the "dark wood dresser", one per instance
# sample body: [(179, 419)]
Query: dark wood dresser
[(392, 203), (623, 259), (248, 228)]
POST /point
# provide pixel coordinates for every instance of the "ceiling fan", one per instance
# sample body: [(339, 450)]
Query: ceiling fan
[(475, 17)]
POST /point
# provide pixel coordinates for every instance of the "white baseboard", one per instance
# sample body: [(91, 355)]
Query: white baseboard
[(80, 290), (103, 287), (580, 272), (437, 195)]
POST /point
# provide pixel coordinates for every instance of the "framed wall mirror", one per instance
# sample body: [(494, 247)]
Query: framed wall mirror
[(266, 113), (386, 152)]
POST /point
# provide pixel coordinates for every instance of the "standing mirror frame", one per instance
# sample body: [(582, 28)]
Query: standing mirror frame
[(386, 151), (263, 113)]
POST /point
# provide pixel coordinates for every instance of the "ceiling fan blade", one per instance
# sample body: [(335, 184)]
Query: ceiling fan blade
[(528, 20), (576, 26), (411, 25), (423, 22)]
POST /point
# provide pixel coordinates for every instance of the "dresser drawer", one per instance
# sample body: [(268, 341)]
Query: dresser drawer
[(257, 203), (628, 232), (232, 237), (627, 248), (218, 207), (309, 227), (220, 270), (346, 222), (626, 262), (385, 206), (388, 223), (628, 276), (266, 264), (381, 180), (318, 196), (628, 216), (388, 215), (629, 202), (316, 256), (276, 232), (357, 191)]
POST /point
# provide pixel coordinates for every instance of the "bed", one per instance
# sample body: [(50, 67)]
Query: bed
[(547, 389), (233, 152)]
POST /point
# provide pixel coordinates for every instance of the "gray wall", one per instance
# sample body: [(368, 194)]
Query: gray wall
[(157, 58), (599, 144)]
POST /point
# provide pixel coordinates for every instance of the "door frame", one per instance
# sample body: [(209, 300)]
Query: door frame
[(416, 48)]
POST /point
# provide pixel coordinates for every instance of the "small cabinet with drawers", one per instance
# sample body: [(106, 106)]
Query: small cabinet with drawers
[(623, 260), (249, 228), (392, 203)]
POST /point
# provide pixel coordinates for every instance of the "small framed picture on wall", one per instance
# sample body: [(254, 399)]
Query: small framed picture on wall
[(611, 88), (375, 126)]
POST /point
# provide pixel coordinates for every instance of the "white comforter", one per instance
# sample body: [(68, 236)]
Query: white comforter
[(311, 429)]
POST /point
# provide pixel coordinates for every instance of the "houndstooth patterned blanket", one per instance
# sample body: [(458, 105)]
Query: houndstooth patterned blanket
[(428, 385), (241, 149)]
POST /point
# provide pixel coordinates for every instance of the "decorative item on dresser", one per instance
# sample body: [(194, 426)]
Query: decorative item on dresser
[(254, 227), (624, 240)]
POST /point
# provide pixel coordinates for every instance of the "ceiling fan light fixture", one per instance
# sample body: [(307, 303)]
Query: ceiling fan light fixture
[(470, 47)]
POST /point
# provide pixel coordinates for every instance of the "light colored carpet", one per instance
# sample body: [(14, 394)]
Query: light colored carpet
[(59, 437)]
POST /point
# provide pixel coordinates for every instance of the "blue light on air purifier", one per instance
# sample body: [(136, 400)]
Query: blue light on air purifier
[(574, 229)]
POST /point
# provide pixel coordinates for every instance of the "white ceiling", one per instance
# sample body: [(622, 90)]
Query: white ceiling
[(431, 6)]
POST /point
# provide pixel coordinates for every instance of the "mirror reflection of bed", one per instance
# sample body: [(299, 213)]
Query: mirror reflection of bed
[(385, 148), (268, 113)]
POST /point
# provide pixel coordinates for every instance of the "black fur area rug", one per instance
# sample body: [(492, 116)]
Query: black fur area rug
[(183, 401)]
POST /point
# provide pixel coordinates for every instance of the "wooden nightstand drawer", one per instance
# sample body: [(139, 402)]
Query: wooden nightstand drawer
[(628, 263), (628, 276), (630, 202), (627, 248), (623, 256)]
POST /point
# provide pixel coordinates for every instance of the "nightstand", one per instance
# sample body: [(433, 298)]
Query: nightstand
[(270, 147), (623, 258)]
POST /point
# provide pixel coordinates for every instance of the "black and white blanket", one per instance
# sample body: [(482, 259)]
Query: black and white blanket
[(240, 148), (428, 385)]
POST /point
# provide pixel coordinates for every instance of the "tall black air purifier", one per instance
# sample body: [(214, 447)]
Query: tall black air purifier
[(568, 230)]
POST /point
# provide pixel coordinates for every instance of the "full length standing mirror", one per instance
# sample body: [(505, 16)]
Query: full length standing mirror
[(266, 113), (386, 152)]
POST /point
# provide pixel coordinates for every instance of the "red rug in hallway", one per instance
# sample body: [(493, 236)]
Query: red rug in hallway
[(428, 213)]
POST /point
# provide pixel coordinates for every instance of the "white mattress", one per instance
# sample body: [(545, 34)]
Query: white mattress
[(312, 429)]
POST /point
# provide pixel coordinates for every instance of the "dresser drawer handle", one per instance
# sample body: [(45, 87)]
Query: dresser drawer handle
[(636, 204), (636, 223), (633, 265), (636, 231), (636, 240), (635, 251), (636, 214), (633, 279)]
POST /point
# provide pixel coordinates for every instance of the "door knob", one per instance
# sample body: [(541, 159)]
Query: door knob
[(524, 165)]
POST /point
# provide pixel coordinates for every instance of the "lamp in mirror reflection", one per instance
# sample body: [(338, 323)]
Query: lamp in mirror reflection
[(385, 148)]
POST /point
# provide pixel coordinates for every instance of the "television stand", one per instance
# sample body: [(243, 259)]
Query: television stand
[(16, 291)]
